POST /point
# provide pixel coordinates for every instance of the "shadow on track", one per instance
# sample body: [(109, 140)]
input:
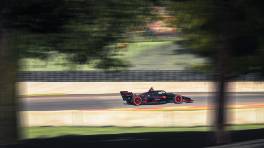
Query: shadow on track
[(175, 139)]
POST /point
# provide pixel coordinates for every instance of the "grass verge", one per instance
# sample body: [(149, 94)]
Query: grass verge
[(45, 132)]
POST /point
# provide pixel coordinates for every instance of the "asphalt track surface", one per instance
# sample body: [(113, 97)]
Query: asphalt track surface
[(114, 101)]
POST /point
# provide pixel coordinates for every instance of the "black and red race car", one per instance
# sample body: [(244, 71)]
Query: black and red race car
[(153, 97)]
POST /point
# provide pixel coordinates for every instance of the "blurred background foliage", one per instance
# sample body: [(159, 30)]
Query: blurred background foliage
[(227, 33), (84, 31), (211, 24), (89, 35)]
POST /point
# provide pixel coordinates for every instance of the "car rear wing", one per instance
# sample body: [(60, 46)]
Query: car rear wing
[(126, 94)]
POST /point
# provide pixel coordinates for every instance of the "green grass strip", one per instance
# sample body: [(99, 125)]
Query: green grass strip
[(45, 132)]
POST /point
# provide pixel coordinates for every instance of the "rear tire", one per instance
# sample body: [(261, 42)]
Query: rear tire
[(128, 100), (178, 99), (137, 100)]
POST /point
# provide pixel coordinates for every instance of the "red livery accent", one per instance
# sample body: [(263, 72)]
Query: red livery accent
[(154, 96)]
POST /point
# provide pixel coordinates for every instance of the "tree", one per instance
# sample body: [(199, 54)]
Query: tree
[(80, 28), (87, 29), (230, 34)]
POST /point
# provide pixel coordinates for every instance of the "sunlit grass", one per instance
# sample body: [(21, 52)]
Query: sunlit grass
[(61, 62), (164, 55), (37, 132), (134, 49), (34, 132), (141, 55), (56, 62)]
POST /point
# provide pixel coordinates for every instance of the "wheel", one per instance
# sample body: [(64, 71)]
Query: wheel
[(178, 99), (128, 100), (137, 100)]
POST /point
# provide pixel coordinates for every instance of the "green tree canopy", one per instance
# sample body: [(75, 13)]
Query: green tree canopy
[(83, 29), (230, 34), (208, 24)]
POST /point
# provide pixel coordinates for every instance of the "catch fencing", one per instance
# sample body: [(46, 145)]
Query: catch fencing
[(125, 76)]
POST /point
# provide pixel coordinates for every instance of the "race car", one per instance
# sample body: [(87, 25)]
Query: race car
[(153, 97)]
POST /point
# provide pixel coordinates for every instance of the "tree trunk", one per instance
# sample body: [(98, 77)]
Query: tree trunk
[(8, 106), (222, 72), (220, 112)]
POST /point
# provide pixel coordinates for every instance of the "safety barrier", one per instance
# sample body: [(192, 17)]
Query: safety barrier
[(127, 76)]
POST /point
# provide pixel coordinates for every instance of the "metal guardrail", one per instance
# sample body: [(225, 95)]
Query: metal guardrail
[(112, 76)]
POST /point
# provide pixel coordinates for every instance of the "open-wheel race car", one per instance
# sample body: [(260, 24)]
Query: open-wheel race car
[(153, 97)]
